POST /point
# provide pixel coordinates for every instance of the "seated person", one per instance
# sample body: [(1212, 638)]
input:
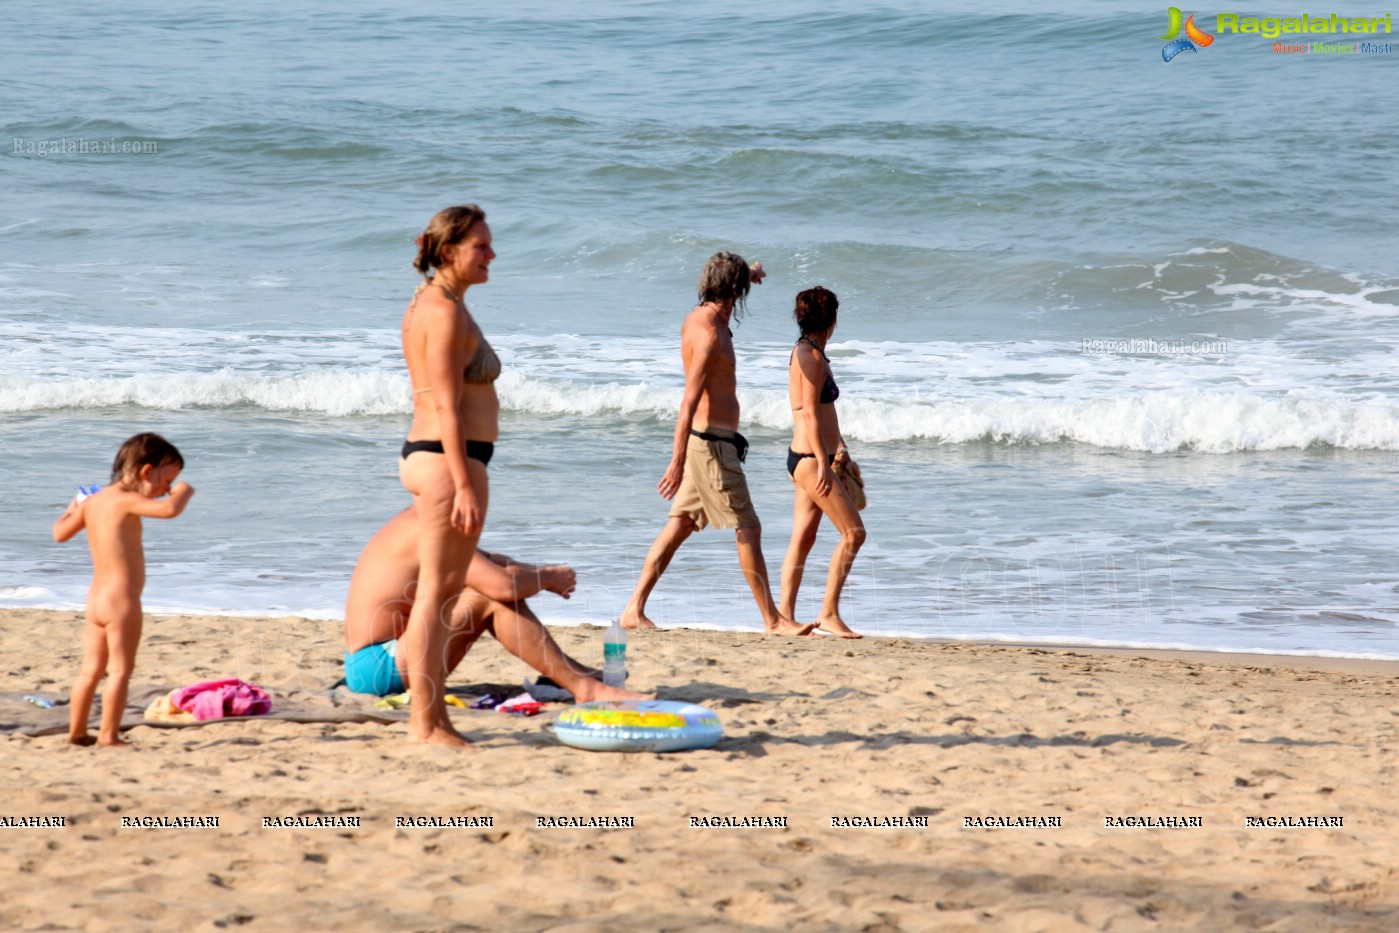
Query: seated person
[(381, 596)]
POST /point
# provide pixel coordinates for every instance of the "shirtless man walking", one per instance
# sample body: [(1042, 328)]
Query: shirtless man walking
[(705, 478)]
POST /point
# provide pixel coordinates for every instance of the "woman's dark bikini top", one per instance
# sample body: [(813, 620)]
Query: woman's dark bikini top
[(829, 391)]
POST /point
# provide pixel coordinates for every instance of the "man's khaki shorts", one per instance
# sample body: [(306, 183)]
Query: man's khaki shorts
[(714, 490)]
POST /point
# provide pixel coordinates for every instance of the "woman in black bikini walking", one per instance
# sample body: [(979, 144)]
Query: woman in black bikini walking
[(443, 464), (817, 447)]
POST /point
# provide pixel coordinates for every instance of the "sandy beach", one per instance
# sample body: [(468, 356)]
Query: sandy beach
[(887, 785)]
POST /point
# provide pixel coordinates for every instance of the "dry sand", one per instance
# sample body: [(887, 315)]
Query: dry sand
[(814, 730)]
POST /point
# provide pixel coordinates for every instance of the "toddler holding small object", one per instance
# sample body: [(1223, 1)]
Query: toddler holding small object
[(142, 476)]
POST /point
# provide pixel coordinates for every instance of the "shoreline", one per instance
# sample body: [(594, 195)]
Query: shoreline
[(1293, 660), (1377, 666)]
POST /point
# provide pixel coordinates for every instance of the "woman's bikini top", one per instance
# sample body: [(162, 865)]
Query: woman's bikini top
[(484, 367), (829, 391)]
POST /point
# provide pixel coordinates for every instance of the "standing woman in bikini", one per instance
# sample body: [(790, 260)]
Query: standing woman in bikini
[(443, 464), (817, 446)]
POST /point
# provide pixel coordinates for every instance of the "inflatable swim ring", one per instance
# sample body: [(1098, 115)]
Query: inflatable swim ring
[(638, 726)]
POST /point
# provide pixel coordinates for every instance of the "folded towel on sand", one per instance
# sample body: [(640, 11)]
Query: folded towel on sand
[(163, 709)]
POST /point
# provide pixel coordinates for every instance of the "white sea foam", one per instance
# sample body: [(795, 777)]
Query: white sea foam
[(328, 392), (1156, 422), (1252, 397), (1339, 307), (21, 595)]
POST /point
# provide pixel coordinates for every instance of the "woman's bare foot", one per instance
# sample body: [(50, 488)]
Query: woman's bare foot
[(439, 736), (437, 731), (83, 740), (118, 742), (785, 626), (833, 625)]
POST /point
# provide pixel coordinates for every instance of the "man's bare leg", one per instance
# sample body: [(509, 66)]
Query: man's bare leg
[(755, 570), (521, 633), (676, 530)]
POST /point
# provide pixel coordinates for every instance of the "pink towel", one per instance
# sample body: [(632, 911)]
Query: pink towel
[(215, 699)]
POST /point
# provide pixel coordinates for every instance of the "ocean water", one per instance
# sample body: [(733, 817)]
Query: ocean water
[(1117, 335)]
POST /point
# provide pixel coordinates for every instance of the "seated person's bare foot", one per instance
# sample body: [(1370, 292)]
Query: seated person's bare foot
[(588, 690), (834, 625)]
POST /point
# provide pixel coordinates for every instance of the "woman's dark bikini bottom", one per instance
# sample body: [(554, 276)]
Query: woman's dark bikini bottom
[(793, 458), (475, 450)]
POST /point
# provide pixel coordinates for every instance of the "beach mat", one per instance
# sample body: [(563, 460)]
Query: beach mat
[(334, 705)]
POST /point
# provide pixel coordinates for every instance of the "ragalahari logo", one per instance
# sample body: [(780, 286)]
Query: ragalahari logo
[(1193, 36)]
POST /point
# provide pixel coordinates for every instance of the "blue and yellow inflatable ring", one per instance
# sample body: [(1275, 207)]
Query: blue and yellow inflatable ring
[(638, 726)]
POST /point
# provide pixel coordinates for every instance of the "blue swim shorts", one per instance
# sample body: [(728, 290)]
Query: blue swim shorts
[(372, 669)]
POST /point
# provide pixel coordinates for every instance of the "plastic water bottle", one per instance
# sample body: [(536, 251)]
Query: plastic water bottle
[(614, 655)]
